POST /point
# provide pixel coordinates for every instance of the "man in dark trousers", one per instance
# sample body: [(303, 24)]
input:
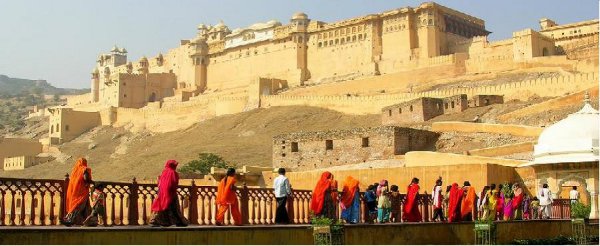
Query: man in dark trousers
[(282, 187)]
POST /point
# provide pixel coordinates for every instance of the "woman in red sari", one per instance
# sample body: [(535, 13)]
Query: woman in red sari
[(411, 205), (165, 208), (78, 192), (334, 192), (321, 203), (454, 212), (227, 199)]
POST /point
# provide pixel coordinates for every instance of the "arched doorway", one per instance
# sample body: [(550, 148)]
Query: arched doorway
[(152, 97), (566, 184), (545, 52)]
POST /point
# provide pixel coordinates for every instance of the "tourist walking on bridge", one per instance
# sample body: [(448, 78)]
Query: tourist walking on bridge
[(467, 207), (395, 203), (282, 190), (350, 200), (321, 203), (411, 205), (227, 199), (165, 208), (545, 196), (438, 198), (384, 204), (483, 201), (78, 192)]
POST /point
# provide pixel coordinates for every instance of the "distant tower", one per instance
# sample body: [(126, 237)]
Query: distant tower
[(95, 85), (118, 56), (546, 23), (143, 69), (299, 24), (199, 49)]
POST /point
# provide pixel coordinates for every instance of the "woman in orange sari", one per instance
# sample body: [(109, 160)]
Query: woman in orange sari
[(227, 199), (350, 201), (321, 203), (468, 202), (411, 205), (78, 192)]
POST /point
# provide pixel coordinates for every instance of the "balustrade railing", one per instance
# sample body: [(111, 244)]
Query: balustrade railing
[(41, 202)]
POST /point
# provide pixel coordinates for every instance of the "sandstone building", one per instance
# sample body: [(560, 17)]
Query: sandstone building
[(309, 150), (426, 108)]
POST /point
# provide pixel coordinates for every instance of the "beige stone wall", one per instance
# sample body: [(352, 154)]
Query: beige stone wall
[(19, 162), (429, 158), (565, 34), (515, 130), (525, 147), (13, 147), (66, 123), (308, 150)]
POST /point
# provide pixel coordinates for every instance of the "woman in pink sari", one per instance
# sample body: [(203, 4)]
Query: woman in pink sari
[(165, 208)]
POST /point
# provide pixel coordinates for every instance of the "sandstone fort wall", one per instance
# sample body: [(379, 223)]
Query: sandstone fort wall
[(515, 130), (520, 90)]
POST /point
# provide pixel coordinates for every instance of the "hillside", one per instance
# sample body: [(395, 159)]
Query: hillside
[(17, 86), (244, 139)]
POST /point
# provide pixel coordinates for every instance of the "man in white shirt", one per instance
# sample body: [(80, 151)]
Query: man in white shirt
[(574, 195), (282, 187), (545, 196)]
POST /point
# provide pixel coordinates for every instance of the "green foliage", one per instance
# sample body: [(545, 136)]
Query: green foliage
[(203, 164), (580, 210), (560, 240), (507, 190)]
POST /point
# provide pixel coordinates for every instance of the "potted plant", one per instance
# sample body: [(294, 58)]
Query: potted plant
[(580, 211), (327, 231), (485, 231)]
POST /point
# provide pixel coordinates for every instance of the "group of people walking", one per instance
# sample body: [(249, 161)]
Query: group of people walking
[(383, 202)]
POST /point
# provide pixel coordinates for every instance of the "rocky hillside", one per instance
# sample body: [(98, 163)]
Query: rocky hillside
[(17, 86)]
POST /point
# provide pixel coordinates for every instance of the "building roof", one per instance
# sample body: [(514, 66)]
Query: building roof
[(299, 16), (571, 140)]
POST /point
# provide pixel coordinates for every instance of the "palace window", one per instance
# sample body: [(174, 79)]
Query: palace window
[(452, 103), (365, 142), (294, 146), (320, 44), (390, 112), (66, 127), (360, 36), (353, 29), (328, 144), (411, 108), (400, 110)]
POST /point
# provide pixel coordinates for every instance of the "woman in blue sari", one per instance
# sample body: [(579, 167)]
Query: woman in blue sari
[(350, 201)]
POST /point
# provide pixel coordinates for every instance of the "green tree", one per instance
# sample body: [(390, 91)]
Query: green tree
[(203, 164), (56, 98)]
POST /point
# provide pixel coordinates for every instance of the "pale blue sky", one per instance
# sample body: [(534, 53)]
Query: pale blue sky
[(59, 40)]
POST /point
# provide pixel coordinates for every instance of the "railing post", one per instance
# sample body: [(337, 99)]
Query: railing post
[(133, 215), (63, 198), (193, 211), (426, 207), (244, 204), (290, 206)]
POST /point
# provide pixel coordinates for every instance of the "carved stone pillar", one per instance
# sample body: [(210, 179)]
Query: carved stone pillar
[(594, 205)]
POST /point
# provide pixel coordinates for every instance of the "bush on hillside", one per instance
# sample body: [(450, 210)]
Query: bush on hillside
[(203, 164)]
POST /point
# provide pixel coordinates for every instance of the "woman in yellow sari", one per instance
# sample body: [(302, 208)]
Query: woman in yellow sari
[(490, 209)]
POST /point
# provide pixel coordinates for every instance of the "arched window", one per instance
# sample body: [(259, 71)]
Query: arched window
[(452, 103), (51, 129), (57, 127)]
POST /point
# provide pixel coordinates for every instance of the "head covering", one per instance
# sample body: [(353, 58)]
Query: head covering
[(167, 187), (225, 195), (318, 194), (349, 191), (78, 190), (468, 201), (382, 184), (454, 202)]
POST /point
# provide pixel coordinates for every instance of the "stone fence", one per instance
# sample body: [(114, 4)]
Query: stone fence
[(129, 204)]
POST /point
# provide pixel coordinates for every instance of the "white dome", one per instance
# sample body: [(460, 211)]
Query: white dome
[(574, 139)]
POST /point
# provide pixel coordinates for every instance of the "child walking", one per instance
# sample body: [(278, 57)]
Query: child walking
[(98, 207)]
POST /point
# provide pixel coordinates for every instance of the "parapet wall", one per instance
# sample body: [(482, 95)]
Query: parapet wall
[(515, 130), (520, 90)]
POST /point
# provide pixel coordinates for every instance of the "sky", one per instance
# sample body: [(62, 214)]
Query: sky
[(59, 40)]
